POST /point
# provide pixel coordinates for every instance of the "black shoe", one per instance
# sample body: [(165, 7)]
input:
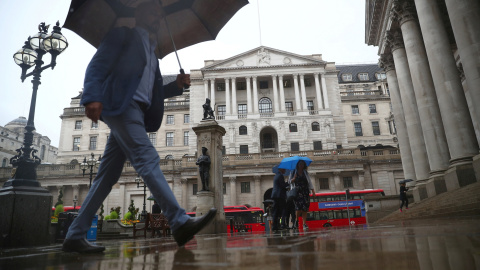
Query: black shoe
[(81, 246), (185, 233)]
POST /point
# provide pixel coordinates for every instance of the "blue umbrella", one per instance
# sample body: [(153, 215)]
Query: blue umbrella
[(290, 163), (404, 181)]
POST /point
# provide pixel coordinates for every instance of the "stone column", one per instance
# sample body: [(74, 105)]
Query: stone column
[(338, 183), (255, 95), (302, 89), (209, 135), (234, 96), (233, 190), (317, 91), (386, 62), (212, 95), (460, 133), (249, 95), (184, 182), (428, 109), (205, 87), (298, 106), (410, 107), (275, 94), (324, 91), (258, 193), (361, 179), (465, 20), (227, 96), (282, 93)]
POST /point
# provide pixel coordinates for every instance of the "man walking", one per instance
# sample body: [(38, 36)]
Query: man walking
[(279, 196), (123, 87)]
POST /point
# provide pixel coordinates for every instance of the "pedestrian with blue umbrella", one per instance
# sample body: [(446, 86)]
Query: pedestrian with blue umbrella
[(279, 196)]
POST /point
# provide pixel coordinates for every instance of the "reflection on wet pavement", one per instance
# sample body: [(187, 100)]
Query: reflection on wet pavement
[(426, 244)]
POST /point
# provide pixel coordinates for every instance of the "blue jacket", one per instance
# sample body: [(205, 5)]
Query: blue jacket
[(279, 187), (114, 73)]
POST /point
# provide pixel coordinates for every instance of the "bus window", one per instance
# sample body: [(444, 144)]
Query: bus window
[(331, 215), (357, 213)]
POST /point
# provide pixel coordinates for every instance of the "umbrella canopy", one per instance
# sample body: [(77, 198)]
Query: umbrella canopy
[(290, 163), (190, 21), (151, 198), (405, 181)]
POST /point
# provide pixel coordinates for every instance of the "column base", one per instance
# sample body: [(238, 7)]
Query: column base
[(459, 176), (436, 185), (26, 213), (205, 201), (420, 191)]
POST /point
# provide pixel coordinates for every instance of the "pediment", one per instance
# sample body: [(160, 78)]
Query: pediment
[(263, 57)]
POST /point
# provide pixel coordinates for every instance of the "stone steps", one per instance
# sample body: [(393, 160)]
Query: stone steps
[(461, 202)]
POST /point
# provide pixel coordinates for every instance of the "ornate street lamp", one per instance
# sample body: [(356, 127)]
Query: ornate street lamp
[(90, 164), (138, 179), (22, 191)]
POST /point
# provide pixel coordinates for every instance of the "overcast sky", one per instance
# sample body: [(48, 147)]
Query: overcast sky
[(335, 29)]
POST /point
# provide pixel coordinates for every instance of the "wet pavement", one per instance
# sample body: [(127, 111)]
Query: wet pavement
[(425, 244)]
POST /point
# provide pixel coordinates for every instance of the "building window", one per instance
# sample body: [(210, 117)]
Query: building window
[(153, 138), (372, 108), (363, 76), (347, 182), (292, 127), (78, 124), (294, 146), (224, 188), (195, 189), (307, 82), (310, 106), (170, 120), (93, 143), (358, 129), (76, 143), (169, 138), (376, 128), (289, 106), (265, 105), (242, 130), (315, 126), (241, 85), (94, 125), (243, 149), (242, 109), (186, 118), (355, 109), (287, 83), (324, 183), (380, 76), (220, 86), (317, 145), (347, 77), (186, 136), (263, 84), (245, 187), (221, 110)]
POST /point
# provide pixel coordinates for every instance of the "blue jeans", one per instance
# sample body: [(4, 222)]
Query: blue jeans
[(128, 140)]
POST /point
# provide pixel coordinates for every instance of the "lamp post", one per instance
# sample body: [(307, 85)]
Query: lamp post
[(138, 179), (90, 164), (22, 191)]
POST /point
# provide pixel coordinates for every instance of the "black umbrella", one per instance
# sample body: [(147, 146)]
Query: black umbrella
[(405, 181), (187, 22)]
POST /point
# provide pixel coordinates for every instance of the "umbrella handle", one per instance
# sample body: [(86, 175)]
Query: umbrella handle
[(185, 86)]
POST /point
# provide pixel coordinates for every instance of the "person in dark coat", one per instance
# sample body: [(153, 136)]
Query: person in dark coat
[(279, 196), (156, 208), (403, 196), (289, 215)]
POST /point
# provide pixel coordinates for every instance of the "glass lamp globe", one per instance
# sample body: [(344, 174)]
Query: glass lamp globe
[(55, 42), (25, 56)]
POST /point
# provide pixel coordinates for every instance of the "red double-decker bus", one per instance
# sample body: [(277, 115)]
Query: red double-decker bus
[(330, 208), (243, 218)]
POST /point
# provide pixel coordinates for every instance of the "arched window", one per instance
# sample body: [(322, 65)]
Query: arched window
[(293, 127), (168, 157), (315, 126), (4, 162), (265, 105), (242, 130)]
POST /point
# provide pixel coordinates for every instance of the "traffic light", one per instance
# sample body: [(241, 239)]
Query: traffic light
[(347, 192)]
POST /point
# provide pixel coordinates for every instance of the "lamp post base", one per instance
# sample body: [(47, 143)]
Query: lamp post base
[(25, 213)]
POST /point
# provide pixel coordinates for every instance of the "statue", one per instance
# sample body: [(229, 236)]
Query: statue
[(207, 110), (263, 56), (203, 163)]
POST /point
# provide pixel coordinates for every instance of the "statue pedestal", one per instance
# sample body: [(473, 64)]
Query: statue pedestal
[(210, 135)]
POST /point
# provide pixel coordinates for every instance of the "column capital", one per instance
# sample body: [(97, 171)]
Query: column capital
[(394, 40), (232, 179), (280, 76), (227, 78), (386, 62), (301, 74), (336, 173), (316, 73), (257, 177), (212, 79), (206, 80), (295, 75), (404, 11), (184, 181), (254, 78), (274, 76), (233, 78)]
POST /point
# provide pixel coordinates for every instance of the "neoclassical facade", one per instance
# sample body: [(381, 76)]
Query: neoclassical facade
[(11, 139), (430, 51)]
